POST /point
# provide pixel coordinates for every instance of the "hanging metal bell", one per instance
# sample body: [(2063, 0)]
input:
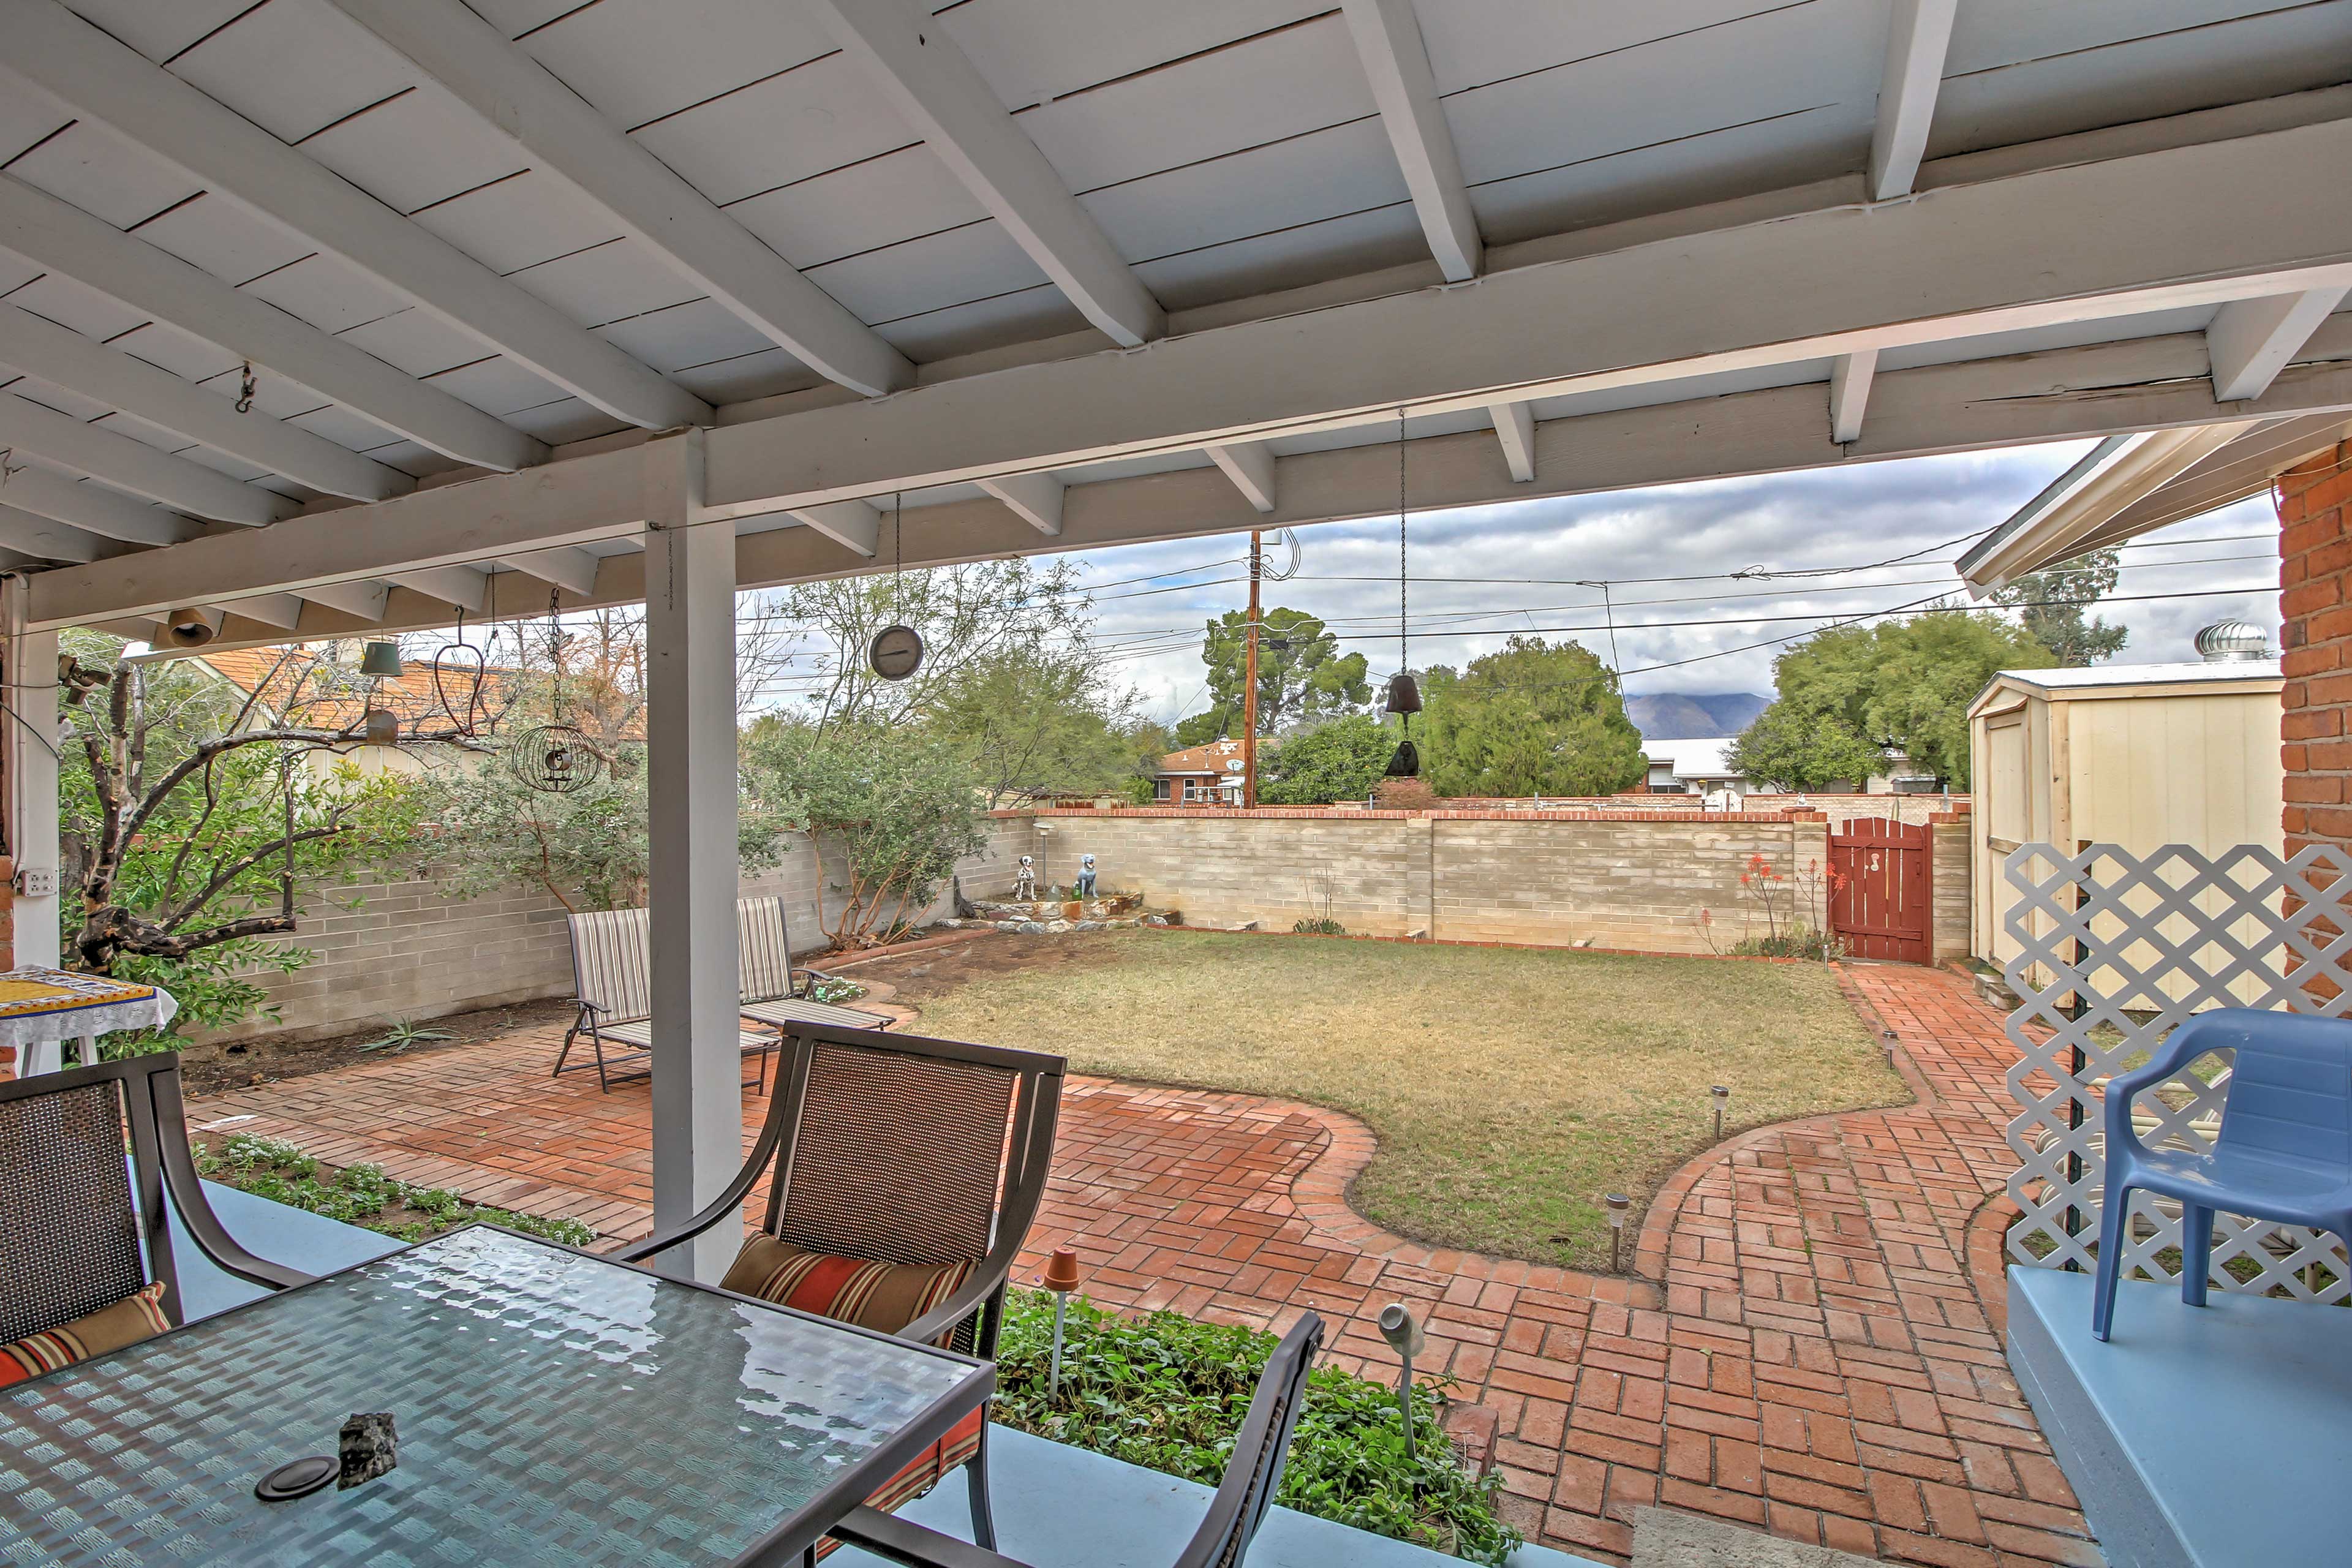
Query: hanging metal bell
[(1406, 764), (1404, 693), (383, 727), (381, 660)]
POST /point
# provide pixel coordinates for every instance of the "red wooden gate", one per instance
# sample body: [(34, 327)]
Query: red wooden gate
[(1881, 892)]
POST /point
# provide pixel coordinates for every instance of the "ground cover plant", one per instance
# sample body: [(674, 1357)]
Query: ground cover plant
[(1509, 1088), (1169, 1394), (362, 1195)]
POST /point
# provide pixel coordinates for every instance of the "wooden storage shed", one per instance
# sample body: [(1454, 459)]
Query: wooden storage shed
[(2135, 755)]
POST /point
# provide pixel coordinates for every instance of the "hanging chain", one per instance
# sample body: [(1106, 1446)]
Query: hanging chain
[(898, 552), (1404, 647), (244, 390), (555, 652)]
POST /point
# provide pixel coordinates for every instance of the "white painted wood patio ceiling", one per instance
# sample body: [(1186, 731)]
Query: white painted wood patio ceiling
[(1074, 271)]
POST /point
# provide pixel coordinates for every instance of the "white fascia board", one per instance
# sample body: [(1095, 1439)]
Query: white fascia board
[(2111, 477), (62, 237), (552, 128), (72, 62), (2065, 394)]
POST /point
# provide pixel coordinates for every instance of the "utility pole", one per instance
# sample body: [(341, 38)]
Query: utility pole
[(1249, 689)]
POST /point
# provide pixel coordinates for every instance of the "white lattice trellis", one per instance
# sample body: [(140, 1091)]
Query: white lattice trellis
[(2133, 945)]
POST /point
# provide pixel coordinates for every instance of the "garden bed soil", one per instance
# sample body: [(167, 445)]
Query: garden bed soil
[(932, 971), (212, 1068)]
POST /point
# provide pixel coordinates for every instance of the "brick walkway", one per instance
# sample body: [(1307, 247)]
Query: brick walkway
[(1819, 1362)]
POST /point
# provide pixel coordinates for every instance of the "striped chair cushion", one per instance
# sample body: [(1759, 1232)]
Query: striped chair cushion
[(883, 1296), (137, 1316)]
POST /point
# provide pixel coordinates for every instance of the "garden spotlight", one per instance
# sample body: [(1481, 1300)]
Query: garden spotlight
[(1405, 1338)]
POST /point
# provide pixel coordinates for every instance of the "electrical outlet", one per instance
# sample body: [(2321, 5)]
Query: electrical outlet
[(36, 882)]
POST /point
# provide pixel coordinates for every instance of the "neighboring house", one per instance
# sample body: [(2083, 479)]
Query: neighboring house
[(1697, 767), (320, 687), (1200, 775)]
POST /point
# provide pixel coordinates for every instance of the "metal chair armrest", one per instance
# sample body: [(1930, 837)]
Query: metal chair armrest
[(2183, 1046), (903, 1541), (985, 1281), (185, 1185), (727, 1202)]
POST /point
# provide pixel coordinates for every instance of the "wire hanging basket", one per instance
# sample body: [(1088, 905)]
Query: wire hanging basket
[(556, 758)]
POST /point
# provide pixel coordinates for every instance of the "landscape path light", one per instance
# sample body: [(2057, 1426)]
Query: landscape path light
[(1061, 1279), (1722, 1095), (1886, 1044), (1619, 1204), (1404, 1337)]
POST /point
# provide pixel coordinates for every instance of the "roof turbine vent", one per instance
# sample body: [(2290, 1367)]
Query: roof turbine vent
[(2233, 642)]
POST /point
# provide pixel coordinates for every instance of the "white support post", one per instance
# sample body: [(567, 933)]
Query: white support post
[(697, 1093), (28, 754)]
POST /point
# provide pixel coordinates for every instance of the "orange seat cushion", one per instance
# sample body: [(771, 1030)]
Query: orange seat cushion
[(136, 1317)]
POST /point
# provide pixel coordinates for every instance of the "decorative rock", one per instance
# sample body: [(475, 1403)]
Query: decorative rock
[(1246, 925), (1090, 925), (368, 1447), (1030, 928)]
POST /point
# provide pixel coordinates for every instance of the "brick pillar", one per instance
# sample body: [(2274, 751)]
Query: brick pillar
[(2315, 639)]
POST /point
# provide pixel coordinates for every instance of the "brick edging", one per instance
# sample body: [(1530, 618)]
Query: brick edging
[(1476, 941), (1652, 1250)]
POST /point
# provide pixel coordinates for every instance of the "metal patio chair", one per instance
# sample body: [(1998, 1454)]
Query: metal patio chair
[(80, 1227), (772, 991), (1252, 1478), (612, 982), (2284, 1151), (900, 1150)]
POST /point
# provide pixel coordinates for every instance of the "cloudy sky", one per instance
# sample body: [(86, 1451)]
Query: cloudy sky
[(1667, 556)]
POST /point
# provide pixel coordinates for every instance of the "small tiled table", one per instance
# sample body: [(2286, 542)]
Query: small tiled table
[(42, 1008), (552, 1406)]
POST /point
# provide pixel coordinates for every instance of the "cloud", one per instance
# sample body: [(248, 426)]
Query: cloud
[(1528, 557)]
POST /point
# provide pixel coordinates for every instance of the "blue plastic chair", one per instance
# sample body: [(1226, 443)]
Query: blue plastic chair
[(2283, 1154)]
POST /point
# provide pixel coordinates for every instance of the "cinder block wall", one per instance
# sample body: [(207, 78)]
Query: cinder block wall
[(409, 952)]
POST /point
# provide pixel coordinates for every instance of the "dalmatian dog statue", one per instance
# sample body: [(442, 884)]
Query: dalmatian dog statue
[(1024, 880)]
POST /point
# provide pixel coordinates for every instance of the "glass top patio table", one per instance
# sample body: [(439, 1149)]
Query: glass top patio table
[(550, 1406)]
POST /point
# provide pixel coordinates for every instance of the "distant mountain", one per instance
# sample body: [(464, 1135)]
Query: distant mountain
[(1693, 715)]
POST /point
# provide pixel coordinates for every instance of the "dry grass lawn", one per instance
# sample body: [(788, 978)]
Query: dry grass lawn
[(1509, 1088)]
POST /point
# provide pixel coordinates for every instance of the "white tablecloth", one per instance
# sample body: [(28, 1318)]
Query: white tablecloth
[(39, 1008)]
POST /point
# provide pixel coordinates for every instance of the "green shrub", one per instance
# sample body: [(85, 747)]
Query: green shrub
[(1169, 1394), (1801, 942), (359, 1195), (1326, 926)]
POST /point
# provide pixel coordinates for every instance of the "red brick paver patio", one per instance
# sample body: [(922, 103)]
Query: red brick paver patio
[(1807, 1350)]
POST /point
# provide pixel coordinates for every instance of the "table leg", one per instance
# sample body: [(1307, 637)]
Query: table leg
[(89, 1050), (39, 1057)]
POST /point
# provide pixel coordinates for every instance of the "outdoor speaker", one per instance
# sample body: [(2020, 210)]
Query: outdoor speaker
[(191, 627)]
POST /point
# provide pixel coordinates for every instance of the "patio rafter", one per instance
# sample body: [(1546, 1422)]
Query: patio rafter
[(1947, 265), (54, 53)]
